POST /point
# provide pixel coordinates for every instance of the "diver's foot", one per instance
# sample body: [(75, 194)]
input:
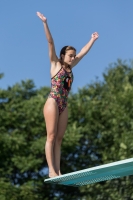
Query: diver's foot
[(52, 174), (60, 173)]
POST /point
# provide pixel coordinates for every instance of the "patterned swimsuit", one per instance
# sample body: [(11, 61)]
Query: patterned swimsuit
[(60, 87)]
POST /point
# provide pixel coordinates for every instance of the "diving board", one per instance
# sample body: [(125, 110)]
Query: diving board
[(95, 174)]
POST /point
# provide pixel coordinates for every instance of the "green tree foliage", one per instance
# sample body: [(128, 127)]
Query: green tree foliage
[(100, 131)]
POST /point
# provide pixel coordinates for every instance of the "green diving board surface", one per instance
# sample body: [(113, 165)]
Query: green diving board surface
[(95, 174)]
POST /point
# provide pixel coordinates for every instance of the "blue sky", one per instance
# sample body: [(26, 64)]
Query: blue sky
[(23, 45)]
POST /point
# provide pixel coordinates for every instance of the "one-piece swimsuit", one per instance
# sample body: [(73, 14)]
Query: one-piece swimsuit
[(60, 87)]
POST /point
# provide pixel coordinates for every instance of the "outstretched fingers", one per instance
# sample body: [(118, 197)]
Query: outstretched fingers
[(41, 16)]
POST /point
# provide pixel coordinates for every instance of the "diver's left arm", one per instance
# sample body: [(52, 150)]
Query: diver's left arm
[(85, 49)]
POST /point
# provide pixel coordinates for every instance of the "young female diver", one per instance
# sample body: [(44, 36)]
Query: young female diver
[(55, 108)]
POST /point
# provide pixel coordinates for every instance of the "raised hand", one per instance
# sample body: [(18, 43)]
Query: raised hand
[(42, 17), (94, 36)]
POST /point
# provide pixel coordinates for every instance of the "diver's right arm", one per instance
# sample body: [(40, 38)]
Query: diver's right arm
[(52, 53)]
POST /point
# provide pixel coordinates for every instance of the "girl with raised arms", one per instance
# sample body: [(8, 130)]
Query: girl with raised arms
[(55, 109)]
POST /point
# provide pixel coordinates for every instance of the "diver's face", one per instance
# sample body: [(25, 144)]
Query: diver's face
[(69, 57)]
